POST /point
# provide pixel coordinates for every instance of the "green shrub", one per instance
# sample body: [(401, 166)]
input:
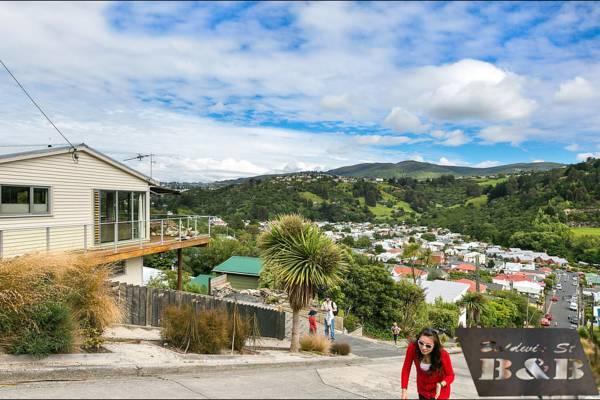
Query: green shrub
[(351, 323), (583, 333), (340, 348), (52, 331)]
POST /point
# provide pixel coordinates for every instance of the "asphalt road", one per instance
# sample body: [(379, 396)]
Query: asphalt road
[(560, 310), (379, 378)]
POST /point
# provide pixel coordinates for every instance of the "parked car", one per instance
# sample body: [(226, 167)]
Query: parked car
[(573, 319), (548, 317), (573, 306), (555, 298), (559, 286), (573, 326), (544, 322)]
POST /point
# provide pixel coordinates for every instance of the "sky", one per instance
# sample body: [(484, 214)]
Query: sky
[(221, 90)]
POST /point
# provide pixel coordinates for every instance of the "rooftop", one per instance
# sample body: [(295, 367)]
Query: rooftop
[(251, 266)]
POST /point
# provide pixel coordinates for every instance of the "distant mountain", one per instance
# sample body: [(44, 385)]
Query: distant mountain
[(420, 170)]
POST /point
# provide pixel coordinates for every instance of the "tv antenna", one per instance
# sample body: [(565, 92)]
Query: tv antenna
[(140, 157)]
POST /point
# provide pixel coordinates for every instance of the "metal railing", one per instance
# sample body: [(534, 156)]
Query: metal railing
[(19, 240)]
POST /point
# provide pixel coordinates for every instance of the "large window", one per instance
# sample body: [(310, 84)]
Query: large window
[(20, 200), (120, 215)]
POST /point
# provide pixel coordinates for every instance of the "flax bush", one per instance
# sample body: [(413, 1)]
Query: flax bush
[(206, 332), (52, 297)]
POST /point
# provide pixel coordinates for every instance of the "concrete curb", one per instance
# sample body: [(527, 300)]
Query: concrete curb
[(79, 372)]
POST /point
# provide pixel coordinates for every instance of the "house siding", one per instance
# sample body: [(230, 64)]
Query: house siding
[(242, 282), (71, 200)]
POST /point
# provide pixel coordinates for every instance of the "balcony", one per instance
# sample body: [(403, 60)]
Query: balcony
[(134, 238)]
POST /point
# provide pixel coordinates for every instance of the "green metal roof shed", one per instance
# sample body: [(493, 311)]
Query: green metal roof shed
[(242, 272), (238, 265)]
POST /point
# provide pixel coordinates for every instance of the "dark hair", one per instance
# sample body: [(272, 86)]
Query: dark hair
[(436, 352)]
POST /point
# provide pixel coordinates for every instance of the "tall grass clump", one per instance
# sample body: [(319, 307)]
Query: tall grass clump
[(316, 343), (49, 302), (340, 348), (204, 332)]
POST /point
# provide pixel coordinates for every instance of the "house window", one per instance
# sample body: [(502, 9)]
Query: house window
[(19, 200), (119, 215)]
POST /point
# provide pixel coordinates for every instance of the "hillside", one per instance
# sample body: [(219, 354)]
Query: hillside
[(556, 211), (421, 170)]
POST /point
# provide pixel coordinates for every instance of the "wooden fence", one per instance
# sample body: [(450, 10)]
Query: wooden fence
[(144, 306)]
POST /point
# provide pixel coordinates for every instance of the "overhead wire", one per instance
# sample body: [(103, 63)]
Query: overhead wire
[(73, 148)]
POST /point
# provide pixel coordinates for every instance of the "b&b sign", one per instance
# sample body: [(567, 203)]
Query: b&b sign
[(526, 362)]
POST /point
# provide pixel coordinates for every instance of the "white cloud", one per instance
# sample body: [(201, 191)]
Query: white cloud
[(402, 120), (585, 156), (473, 90), (449, 162), (573, 147), (487, 164), (502, 134), (331, 102), (573, 91), (537, 161), (383, 140), (453, 138)]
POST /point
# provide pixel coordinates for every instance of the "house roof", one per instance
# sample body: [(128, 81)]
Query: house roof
[(238, 265), (404, 270), (466, 267), (450, 292), (513, 278), (473, 285), (84, 148), (201, 280)]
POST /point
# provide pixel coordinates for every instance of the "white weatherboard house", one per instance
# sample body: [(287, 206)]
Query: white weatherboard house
[(78, 199)]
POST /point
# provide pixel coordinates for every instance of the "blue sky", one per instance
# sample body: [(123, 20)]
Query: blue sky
[(226, 89)]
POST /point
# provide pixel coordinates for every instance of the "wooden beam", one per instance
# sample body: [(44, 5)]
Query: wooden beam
[(125, 253), (179, 269)]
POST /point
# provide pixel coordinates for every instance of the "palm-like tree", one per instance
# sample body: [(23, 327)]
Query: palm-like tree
[(474, 303), (411, 252), (300, 259)]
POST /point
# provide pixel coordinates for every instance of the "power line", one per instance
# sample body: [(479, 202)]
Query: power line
[(39, 108)]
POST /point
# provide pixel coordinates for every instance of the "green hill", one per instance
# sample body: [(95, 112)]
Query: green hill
[(422, 170)]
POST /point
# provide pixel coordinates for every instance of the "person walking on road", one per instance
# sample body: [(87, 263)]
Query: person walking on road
[(330, 309), (395, 332), (434, 368)]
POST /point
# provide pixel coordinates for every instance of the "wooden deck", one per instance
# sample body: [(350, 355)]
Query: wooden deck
[(154, 246)]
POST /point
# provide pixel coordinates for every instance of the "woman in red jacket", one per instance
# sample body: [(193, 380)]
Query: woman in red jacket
[(434, 368)]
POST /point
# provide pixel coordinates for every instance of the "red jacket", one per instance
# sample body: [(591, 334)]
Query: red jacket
[(426, 381)]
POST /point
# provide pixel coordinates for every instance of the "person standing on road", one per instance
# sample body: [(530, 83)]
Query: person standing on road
[(434, 368), (312, 321), (330, 309), (395, 332)]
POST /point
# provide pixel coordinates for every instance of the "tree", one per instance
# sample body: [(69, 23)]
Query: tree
[(411, 252), (363, 242), (301, 259), (412, 307), (474, 303)]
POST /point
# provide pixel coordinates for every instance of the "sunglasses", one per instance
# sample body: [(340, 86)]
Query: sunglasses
[(426, 345)]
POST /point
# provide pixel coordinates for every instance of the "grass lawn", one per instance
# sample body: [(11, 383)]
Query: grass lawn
[(311, 196), (493, 182), (478, 201), (586, 231)]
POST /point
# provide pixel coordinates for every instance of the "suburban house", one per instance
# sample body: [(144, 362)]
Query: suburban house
[(403, 272), (240, 272), (449, 292), (466, 268), (520, 282), (473, 285), (474, 257), (77, 199)]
